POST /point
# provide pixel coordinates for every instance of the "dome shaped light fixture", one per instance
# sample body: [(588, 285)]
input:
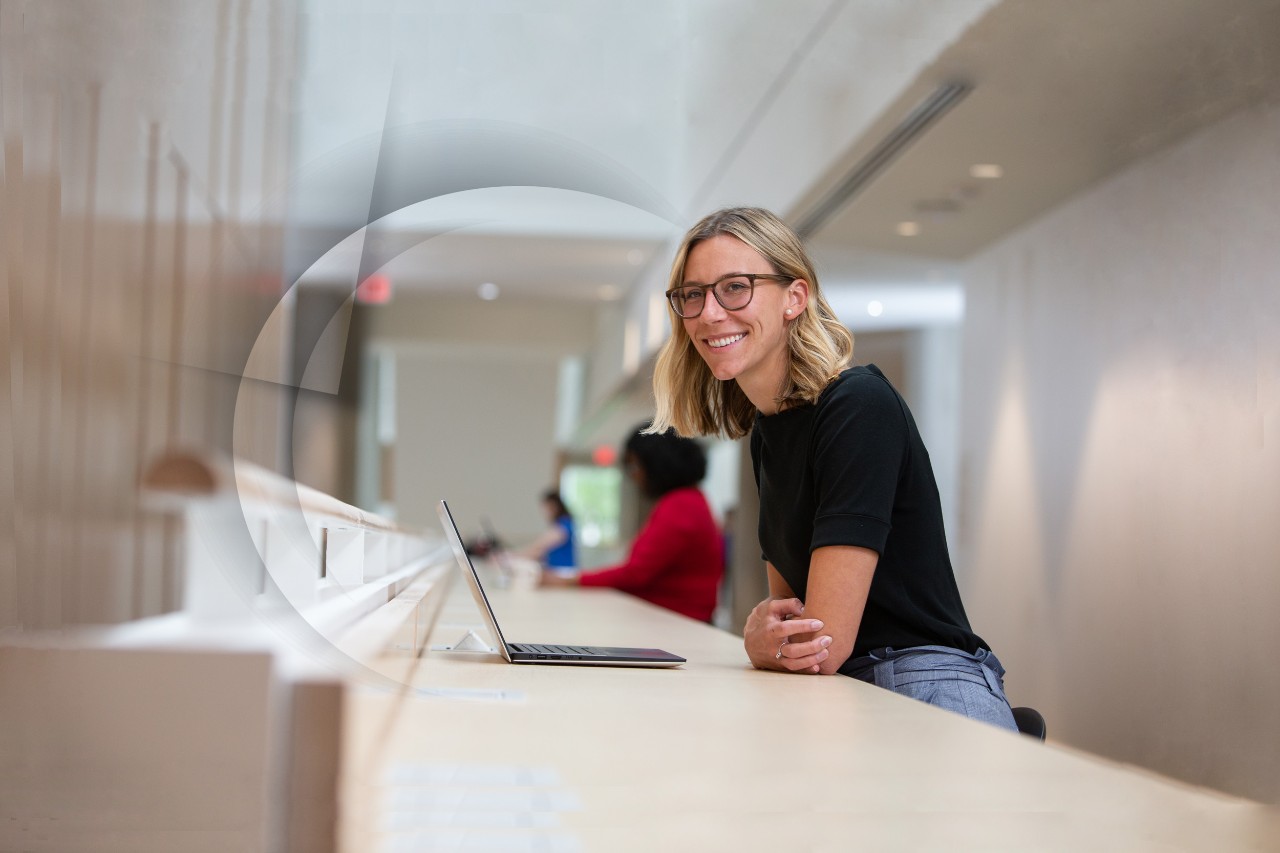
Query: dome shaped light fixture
[(488, 291)]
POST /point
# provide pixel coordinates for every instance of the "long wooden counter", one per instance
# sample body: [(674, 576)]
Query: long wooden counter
[(474, 753)]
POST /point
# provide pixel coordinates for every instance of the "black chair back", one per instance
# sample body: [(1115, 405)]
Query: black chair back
[(1030, 722)]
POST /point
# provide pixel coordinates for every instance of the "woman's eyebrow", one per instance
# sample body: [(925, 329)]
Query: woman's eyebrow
[(717, 281)]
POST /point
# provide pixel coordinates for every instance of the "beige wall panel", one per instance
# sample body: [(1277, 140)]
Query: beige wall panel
[(478, 430), (1121, 443)]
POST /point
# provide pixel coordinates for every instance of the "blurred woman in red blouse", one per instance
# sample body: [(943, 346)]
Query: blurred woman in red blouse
[(677, 558)]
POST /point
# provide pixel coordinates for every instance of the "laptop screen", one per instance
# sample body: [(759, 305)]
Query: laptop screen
[(469, 572)]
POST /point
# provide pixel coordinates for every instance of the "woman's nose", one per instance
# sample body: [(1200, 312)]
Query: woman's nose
[(712, 310)]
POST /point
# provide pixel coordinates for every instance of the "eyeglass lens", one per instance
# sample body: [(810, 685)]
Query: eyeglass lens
[(733, 294)]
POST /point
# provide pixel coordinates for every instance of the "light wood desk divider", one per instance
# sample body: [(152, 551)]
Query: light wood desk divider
[(217, 727)]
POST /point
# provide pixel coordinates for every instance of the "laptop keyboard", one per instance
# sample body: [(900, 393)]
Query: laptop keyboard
[(541, 649)]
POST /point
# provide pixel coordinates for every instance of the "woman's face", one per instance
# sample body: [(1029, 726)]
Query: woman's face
[(748, 345), (631, 465)]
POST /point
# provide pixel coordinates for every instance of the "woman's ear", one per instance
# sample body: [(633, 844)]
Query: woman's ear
[(797, 297)]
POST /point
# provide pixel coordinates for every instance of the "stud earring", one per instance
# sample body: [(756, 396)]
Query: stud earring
[(788, 312)]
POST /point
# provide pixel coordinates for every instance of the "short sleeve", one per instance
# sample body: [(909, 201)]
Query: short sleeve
[(860, 445)]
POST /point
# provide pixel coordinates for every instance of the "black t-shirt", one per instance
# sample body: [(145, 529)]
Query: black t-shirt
[(852, 470)]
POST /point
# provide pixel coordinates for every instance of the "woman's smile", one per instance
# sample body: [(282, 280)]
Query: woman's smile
[(721, 343)]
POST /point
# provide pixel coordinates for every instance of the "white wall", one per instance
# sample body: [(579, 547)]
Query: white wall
[(1119, 543), (932, 366), (476, 404), (478, 430)]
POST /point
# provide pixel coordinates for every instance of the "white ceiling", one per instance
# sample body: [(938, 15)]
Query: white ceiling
[(555, 149), (1063, 94), (674, 107)]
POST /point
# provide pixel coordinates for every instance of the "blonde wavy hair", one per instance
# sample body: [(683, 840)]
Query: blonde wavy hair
[(689, 398)]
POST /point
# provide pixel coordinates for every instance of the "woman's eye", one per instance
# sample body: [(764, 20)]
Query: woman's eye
[(735, 286)]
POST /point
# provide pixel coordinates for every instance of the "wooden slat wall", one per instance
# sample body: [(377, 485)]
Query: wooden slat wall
[(143, 143)]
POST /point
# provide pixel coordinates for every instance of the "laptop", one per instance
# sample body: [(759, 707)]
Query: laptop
[(544, 652)]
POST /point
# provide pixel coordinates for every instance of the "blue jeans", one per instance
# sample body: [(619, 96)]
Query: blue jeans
[(969, 684)]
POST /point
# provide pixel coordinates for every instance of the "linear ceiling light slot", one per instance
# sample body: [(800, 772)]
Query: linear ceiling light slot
[(865, 170)]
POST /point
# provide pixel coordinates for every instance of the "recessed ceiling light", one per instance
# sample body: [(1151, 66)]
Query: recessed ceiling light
[(488, 291), (986, 170), (875, 308), (908, 229)]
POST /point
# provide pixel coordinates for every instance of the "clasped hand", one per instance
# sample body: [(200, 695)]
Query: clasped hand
[(774, 637)]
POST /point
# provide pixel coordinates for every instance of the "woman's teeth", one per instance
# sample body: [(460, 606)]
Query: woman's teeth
[(716, 343)]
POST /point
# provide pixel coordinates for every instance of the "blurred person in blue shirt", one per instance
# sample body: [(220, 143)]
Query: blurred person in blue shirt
[(554, 548)]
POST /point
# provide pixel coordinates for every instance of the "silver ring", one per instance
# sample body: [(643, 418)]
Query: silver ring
[(785, 640)]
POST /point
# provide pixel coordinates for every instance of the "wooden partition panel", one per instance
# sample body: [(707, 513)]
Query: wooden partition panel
[(219, 726)]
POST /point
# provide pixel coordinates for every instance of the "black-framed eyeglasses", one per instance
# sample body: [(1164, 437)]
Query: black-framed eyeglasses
[(732, 291)]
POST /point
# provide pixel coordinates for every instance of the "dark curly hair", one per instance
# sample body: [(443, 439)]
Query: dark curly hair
[(669, 461)]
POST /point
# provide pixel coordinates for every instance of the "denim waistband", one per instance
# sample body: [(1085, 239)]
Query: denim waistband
[(888, 667)]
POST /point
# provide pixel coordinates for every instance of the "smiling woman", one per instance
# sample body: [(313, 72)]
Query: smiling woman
[(708, 349), (851, 527)]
